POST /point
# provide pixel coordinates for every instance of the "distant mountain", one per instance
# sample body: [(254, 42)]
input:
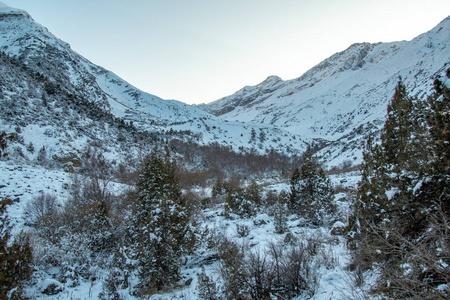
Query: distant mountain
[(335, 105), (344, 98), (38, 65)]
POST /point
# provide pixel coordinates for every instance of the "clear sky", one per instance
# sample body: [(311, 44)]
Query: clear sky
[(201, 50)]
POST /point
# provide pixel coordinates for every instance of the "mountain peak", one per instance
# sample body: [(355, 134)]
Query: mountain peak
[(271, 80)]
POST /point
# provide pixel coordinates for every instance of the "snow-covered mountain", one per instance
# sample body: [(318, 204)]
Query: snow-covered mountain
[(38, 51), (337, 103), (344, 97), (54, 103)]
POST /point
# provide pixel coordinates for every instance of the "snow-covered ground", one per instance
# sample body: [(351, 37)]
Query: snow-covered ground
[(23, 183)]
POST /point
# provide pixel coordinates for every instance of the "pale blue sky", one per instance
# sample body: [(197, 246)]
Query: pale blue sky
[(201, 50)]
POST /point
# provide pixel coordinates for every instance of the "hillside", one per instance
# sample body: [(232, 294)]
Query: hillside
[(343, 99), (109, 192), (60, 73)]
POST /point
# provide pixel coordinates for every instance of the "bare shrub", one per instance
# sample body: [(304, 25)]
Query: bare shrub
[(258, 276), (207, 288), (358, 284), (281, 271), (412, 268), (299, 274), (422, 271), (42, 210), (231, 269)]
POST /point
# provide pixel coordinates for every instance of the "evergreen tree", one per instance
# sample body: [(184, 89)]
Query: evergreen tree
[(295, 192), (15, 257), (392, 169), (397, 128), (438, 120), (162, 224), (4, 138), (42, 156), (253, 194), (280, 218), (312, 192), (240, 202), (400, 210), (252, 136)]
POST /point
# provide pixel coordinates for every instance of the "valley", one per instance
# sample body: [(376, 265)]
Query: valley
[(109, 192)]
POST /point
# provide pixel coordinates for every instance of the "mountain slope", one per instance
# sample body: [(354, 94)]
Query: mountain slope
[(38, 51), (345, 96)]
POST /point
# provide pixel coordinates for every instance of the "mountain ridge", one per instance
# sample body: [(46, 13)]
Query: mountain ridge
[(334, 105), (40, 52), (345, 94)]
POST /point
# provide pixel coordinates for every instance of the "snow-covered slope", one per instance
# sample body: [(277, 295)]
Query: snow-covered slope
[(344, 96), (44, 54)]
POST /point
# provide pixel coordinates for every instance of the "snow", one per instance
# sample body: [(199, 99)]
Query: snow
[(23, 183), (339, 101), (344, 92), (391, 193)]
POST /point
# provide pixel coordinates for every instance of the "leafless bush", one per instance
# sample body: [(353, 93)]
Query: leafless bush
[(193, 203), (423, 271), (282, 271), (299, 273), (258, 276), (207, 288), (412, 268), (358, 285), (42, 210), (340, 188), (231, 269)]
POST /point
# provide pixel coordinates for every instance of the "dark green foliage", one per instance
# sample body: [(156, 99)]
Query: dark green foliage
[(253, 193), (391, 170), (4, 138), (401, 208), (397, 128), (242, 201), (15, 256), (252, 136), (162, 224), (295, 189), (438, 119), (42, 156), (280, 213), (312, 193)]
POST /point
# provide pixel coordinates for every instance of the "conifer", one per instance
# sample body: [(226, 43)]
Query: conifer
[(401, 208), (15, 256), (312, 192), (162, 224)]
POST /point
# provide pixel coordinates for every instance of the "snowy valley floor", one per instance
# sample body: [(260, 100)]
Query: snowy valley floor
[(23, 183)]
